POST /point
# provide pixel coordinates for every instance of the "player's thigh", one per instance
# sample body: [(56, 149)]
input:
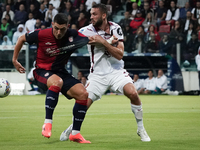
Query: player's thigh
[(119, 79), (96, 86), (41, 76), (78, 92)]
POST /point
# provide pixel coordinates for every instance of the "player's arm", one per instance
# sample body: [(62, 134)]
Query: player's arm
[(116, 52), (17, 49)]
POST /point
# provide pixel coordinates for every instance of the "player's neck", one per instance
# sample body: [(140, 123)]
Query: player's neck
[(105, 26)]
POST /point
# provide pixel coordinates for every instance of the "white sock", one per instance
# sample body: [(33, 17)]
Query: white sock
[(74, 132), (48, 121), (137, 110)]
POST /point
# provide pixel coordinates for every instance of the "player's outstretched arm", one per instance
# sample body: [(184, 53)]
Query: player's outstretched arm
[(116, 52), (17, 49)]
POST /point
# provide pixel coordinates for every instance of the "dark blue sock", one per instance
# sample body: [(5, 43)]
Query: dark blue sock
[(79, 111), (51, 101)]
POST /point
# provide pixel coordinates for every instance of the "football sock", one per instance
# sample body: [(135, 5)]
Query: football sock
[(79, 111), (51, 100), (137, 110)]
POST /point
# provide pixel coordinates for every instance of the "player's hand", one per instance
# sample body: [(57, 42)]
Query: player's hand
[(96, 39), (19, 67)]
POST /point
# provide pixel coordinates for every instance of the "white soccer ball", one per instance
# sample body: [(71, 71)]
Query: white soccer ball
[(4, 88)]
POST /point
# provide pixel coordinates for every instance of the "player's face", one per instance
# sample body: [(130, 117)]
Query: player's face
[(97, 17), (59, 30)]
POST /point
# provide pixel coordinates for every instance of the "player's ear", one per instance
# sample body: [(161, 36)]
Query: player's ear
[(52, 23), (104, 15)]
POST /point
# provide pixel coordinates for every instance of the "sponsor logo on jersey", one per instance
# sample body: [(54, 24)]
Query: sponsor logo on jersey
[(89, 29), (48, 43), (46, 74), (71, 39)]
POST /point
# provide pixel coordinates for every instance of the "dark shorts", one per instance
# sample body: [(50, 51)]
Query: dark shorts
[(42, 75)]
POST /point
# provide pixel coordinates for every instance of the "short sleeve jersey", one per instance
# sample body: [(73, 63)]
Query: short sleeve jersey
[(102, 62), (47, 44)]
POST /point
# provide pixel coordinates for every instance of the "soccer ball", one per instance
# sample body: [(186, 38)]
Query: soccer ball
[(4, 88)]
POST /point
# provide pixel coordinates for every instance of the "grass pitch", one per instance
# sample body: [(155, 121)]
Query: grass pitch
[(172, 122)]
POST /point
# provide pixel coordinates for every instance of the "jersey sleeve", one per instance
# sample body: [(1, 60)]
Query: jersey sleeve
[(32, 37), (118, 33)]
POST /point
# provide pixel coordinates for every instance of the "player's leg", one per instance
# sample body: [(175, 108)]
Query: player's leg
[(46, 80), (79, 93), (136, 107), (122, 82)]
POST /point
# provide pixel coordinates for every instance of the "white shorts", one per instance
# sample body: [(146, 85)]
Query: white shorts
[(97, 85)]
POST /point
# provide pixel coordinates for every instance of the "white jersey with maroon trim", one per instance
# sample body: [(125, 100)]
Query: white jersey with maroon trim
[(102, 62)]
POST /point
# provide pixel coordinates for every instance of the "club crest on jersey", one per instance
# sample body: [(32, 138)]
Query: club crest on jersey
[(71, 39)]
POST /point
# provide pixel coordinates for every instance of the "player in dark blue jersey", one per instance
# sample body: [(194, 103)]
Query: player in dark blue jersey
[(55, 45)]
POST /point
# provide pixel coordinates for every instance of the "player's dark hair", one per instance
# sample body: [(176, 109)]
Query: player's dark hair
[(61, 18), (102, 8)]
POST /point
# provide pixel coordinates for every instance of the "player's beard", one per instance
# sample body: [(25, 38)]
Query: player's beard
[(98, 23)]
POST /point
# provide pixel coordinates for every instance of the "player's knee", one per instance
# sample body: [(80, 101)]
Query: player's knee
[(83, 95)]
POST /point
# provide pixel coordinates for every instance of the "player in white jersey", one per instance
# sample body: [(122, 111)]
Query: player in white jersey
[(149, 83), (107, 66)]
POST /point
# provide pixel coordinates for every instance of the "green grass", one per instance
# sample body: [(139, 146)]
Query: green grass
[(172, 122)]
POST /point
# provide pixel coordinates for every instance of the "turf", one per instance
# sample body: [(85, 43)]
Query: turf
[(172, 122)]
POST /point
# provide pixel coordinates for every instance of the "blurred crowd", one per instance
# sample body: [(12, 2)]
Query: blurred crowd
[(149, 26)]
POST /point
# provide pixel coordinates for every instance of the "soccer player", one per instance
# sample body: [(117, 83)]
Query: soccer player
[(50, 72), (107, 66)]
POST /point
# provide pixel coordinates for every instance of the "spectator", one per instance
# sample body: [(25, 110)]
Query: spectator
[(197, 60), (160, 14), (34, 11), (130, 2), (45, 3), (79, 10), (134, 10), (165, 45), (77, 3), (84, 81), (38, 24), (154, 4), (193, 3), (89, 4), (128, 39), (42, 11), (30, 23), (20, 31), (8, 11), (49, 15), (34, 2), (152, 30), (161, 83), (149, 83), (11, 23), (172, 15), (146, 10), (137, 21), (43, 26), (125, 21), (181, 3), (196, 11), (116, 5), (69, 10), (148, 21), (82, 21), (5, 27), (138, 39), (184, 10), (6, 41), (192, 48), (152, 45), (175, 32), (55, 3), (188, 33), (20, 16), (139, 83), (187, 21), (79, 75), (18, 3), (11, 3), (74, 26)]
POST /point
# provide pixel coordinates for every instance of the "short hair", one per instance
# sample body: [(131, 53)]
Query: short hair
[(102, 8), (61, 18)]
